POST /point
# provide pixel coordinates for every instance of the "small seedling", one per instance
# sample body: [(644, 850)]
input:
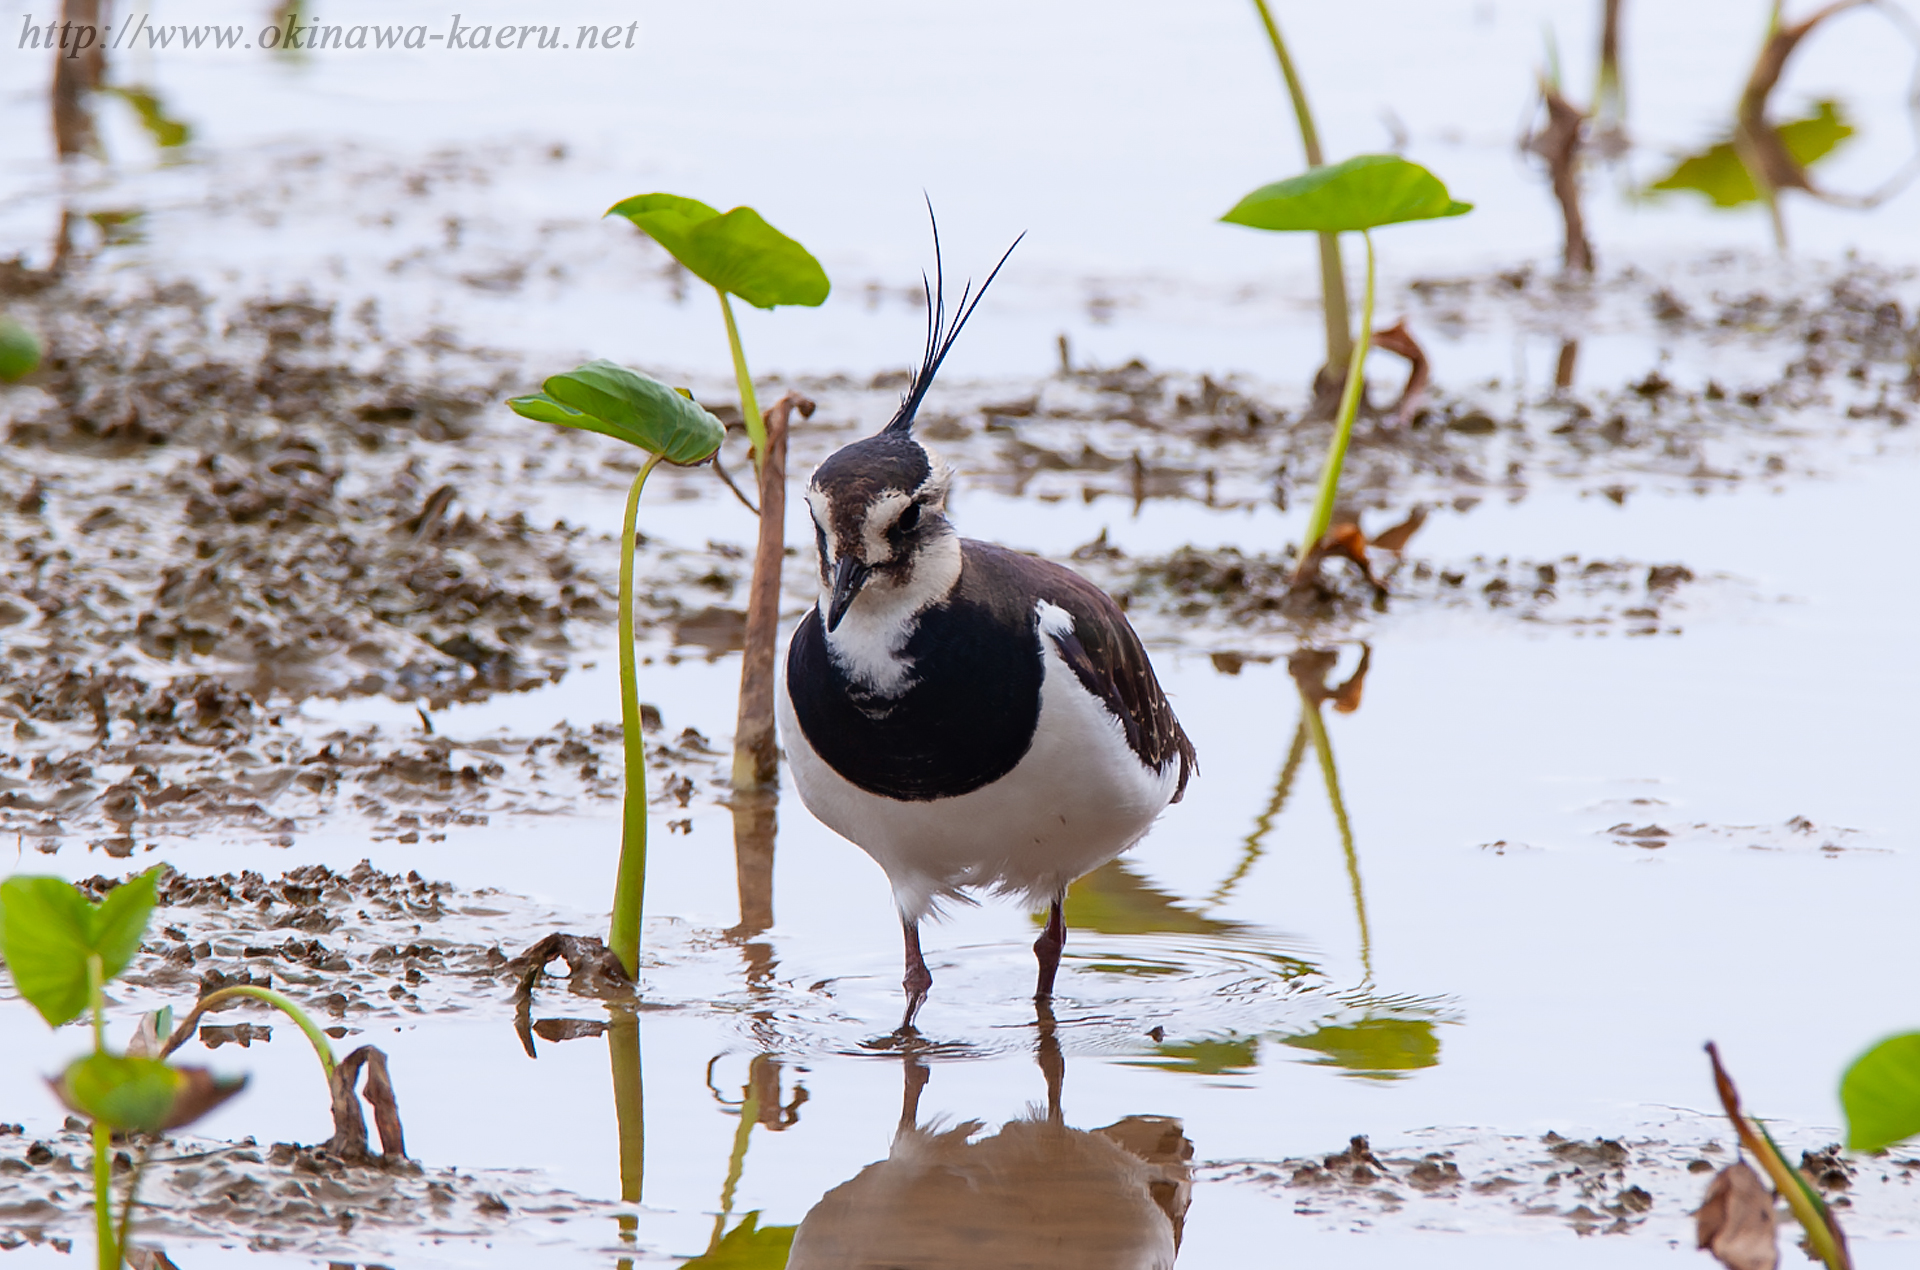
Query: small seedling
[(739, 253), (62, 950), (1333, 273), (1736, 1221), (665, 423), (19, 350), (1759, 158), (1361, 194)]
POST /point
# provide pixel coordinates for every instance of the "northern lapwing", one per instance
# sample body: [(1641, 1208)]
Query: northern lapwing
[(971, 717)]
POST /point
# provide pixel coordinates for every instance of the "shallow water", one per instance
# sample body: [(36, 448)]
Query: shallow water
[(1500, 949)]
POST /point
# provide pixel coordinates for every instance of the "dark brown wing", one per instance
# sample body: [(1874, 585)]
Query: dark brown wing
[(1104, 652)]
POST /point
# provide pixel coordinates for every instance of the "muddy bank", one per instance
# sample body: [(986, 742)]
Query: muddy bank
[(208, 759), (1442, 1180), (281, 1197), (1738, 385), (1227, 600)]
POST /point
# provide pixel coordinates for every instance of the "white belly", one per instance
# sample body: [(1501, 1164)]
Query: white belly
[(1078, 799)]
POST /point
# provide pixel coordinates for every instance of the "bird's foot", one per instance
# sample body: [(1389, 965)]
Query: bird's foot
[(916, 983)]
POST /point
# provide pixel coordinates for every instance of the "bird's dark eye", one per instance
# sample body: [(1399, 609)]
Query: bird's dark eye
[(909, 519)]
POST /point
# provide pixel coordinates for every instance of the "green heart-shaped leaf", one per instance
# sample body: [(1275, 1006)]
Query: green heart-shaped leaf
[(141, 1095), (48, 929), (19, 350), (737, 252), (1365, 192), (627, 406), (1881, 1094)]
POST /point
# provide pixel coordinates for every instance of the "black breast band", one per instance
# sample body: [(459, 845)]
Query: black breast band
[(967, 719)]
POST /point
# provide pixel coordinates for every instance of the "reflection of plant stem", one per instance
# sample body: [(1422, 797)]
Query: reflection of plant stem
[(754, 823), (629, 1104), (102, 1214), (737, 1161), (1255, 841), (1342, 428), (630, 883), (126, 1206), (1333, 278), (1317, 728), (213, 1000), (749, 405)]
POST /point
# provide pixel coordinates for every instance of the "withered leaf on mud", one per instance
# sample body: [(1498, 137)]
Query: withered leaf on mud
[(1396, 537), (1736, 1222)]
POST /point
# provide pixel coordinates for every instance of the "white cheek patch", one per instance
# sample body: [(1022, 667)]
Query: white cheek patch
[(881, 515), (822, 508)]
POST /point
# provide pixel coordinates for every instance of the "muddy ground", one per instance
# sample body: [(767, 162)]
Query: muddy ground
[(215, 511), (218, 514)]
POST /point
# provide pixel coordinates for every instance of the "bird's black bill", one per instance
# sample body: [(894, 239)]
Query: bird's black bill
[(848, 577)]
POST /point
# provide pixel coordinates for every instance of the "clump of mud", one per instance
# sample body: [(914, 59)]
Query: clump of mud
[(347, 944)]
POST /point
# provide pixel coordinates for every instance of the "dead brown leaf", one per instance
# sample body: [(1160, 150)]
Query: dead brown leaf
[(1397, 339), (200, 1093), (1736, 1223), (1560, 144), (1395, 539), (1758, 144)]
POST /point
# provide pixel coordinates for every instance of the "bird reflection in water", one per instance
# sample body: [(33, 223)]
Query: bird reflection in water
[(1037, 1193)]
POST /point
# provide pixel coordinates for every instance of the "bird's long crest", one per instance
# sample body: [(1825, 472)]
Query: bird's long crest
[(940, 336)]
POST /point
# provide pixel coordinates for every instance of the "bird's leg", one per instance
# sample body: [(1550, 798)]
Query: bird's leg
[(919, 978), (1047, 949)]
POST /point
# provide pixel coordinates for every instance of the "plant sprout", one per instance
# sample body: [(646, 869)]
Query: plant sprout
[(1362, 194), (643, 412), (739, 253), (1759, 158), (62, 950), (1826, 1242)]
